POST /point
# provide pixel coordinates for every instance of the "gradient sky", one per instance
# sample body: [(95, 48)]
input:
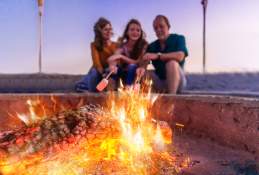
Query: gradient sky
[(232, 32)]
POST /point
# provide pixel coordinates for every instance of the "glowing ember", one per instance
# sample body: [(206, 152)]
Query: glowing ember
[(121, 138)]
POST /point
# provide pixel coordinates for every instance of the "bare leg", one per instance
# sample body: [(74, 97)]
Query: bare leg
[(172, 76)]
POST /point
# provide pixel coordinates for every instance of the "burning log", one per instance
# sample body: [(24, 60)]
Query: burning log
[(64, 127)]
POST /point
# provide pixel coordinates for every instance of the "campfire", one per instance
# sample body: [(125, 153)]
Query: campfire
[(122, 137)]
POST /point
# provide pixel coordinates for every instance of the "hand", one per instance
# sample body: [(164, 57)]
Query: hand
[(140, 72), (114, 58), (104, 74), (113, 69), (150, 56)]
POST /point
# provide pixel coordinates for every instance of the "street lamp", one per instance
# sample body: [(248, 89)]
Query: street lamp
[(40, 6), (204, 5)]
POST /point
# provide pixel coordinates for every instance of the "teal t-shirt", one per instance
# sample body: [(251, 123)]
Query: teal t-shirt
[(174, 43)]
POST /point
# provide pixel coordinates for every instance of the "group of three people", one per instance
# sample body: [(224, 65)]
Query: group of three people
[(129, 57)]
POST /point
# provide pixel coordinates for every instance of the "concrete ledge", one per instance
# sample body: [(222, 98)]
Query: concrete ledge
[(33, 83), (237, 84)]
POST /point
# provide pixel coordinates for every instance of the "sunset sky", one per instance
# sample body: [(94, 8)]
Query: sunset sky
[(232, 32)]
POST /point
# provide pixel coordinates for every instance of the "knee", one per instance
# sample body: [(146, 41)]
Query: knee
[(94, 74), (94, 71), (172, 65)]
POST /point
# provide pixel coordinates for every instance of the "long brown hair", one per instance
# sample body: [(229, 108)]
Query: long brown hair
[(140, 43), (98, 38)]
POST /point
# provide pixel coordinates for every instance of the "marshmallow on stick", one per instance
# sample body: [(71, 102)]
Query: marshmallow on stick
[(103, 84)]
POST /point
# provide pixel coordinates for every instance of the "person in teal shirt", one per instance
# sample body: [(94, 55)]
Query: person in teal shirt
[(167, 55)]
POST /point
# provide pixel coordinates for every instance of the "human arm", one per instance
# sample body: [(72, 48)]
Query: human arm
[(113, 61), (128, 60), (177, 56), (118, 56), (176, 50)]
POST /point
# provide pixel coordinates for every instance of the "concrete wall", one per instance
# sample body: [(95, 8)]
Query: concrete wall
[(229, 121)]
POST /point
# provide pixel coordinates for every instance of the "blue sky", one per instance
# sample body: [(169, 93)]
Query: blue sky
[(232, 32)]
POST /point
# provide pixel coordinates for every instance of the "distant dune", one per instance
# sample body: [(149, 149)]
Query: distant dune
[(225, 83)]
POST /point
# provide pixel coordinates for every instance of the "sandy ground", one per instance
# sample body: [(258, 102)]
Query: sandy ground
[(210, 158), (229, 83)]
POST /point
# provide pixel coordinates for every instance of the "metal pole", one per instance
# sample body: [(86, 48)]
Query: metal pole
[(204, 4), (40, 5), (40, 44)]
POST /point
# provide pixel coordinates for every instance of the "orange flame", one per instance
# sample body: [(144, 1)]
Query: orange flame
[(130, 145)]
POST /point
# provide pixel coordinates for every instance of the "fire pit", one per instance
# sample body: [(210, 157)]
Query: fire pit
[(211, 134), (120, 136)]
